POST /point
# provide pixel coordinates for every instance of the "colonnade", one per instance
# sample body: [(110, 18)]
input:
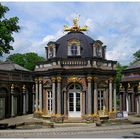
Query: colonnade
[(129, 100), (14, 101), (57, 94)]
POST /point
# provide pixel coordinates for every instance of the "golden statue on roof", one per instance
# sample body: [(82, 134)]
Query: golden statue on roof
[(75, 26)]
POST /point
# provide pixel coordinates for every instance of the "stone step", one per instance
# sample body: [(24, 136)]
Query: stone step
[(73, 120)]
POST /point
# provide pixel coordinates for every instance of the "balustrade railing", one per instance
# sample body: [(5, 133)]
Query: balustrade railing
[(77, 63)]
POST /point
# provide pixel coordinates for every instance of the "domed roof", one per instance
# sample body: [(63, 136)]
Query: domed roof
[(85, 44)]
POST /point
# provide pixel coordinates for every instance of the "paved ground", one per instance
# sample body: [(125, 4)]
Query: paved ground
[(75, 130), (20, 119)]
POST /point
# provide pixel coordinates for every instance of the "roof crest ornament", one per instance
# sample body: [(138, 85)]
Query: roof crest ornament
[(75, 26)]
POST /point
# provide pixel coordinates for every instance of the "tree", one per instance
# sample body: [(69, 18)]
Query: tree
[(7, 28), (136, 56), (27, 60), (119, 70)]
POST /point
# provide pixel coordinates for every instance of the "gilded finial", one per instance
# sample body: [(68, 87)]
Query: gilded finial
[(75, 26), (75, 22)]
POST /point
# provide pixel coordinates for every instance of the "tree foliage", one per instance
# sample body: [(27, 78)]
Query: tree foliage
[(119, 70), (136, 56), (27, 60), (7, 28)]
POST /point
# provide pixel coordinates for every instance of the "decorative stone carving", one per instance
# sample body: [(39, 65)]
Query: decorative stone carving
[(89, 78), (59, 79), (95, 78), (53, 79)]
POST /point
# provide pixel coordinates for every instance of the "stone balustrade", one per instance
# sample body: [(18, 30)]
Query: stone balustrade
[(77, 63)]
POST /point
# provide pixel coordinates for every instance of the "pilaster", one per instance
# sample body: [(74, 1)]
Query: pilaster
[(59, 95), (95, 95), (53, 94), (110, 94), (12, 101), (40, 94), (24, 99), (114, 96), (89, 79), (36, 95)]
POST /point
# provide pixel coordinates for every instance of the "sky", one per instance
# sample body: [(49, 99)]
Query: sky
[(116, 24)]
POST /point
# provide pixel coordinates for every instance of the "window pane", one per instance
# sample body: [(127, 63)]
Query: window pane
[(70, 95), (77, 87), (77, 101), (71, 103), (74, 49), (71, 87)]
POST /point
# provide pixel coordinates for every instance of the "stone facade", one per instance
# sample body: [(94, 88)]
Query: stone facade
[(16, 90), (130, 89), (76, 79)]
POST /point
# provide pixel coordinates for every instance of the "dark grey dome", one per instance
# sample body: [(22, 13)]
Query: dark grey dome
[(85, 43)]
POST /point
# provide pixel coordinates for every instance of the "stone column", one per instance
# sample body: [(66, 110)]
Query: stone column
[(124, 101), (54, 51), (83, 103), (36, 95), (46, 101), (138, 107), (110, 95), (133, 102), (53, 94), (89, 110), (40, 94), (95, 96), (58, 95), (33, 102), (12, 100), (121, 103), (114, 96), (24, 99), (65, 103), (127, 103), (94, 50), (33, 98)]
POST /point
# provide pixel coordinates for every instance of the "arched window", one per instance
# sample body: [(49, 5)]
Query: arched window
[(75, 86), (74, 49)]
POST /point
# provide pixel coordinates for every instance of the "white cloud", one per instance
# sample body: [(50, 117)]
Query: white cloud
[(115, 24), (54, 37)]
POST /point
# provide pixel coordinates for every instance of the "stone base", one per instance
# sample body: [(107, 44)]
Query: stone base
[(38, 114), (112, 115)]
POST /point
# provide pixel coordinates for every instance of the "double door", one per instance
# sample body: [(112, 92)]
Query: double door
[(74, 104)]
